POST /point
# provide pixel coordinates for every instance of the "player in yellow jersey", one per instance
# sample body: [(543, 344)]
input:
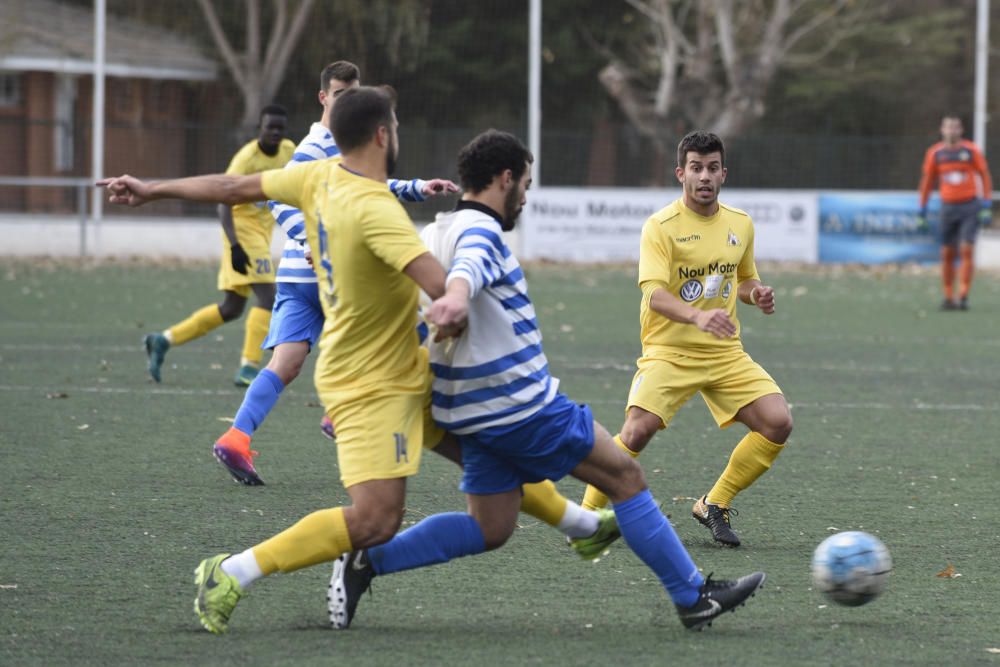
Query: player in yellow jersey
[(371, 373), (695, 260), (246, 265)]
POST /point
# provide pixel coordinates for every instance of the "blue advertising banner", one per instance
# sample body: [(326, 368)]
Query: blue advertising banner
[(876, 228)]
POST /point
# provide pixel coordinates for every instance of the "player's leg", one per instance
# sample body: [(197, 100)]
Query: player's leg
[(950, 229), (375, 458), (296, 325), (494, 489), (589, 532), (968, 232), (374, 516), (257, 323), (742, 392), (650, 535), (660, 387), (196, 325)]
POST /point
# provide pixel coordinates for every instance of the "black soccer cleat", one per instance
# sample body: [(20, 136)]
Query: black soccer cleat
[(963, 303), (716, 519), (949, 304), (352, 576), (717, 597)]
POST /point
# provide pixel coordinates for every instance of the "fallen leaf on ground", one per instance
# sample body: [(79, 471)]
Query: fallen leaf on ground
[(57, 394), (949, 572), (83, 427)]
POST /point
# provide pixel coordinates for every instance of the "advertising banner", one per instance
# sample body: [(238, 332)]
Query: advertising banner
[(876, 228), (605, 224)]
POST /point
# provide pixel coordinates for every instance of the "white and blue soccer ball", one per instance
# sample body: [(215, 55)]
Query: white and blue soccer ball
[(851, 568)]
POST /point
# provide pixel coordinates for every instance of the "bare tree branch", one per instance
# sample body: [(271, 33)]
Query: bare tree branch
[(221, 43), (288, 43), (277, 30)]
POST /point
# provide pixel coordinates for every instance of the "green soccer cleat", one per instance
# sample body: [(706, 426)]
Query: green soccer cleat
[(218, 594), (589, 548), (156, 349), (245, 375)]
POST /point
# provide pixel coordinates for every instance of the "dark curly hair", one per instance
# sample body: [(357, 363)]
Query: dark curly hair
[(701, 143), (489, 155)]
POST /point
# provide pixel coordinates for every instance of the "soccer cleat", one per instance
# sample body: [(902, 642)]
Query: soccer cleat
[(156, 349), (717, 519), (326, 427), (717, 597), (245, 375), (949, 304), (963, 303), (589, 548), (233, 451), (352, 576), (217, 596)]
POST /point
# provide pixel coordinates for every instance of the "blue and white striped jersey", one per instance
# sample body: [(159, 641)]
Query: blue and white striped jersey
[(318, 145), (495, 373)]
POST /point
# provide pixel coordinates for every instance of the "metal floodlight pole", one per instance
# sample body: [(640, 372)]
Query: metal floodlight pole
[(982, 67), (535, 86), (97, 129)]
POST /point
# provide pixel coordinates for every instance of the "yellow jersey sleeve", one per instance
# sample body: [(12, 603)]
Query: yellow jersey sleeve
[(390, 233), (747, 270), (288, 185), (242, 162), (654, 253)]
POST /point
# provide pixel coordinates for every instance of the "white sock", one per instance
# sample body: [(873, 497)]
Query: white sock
[(244, 567), (169, 336), (578, 522)]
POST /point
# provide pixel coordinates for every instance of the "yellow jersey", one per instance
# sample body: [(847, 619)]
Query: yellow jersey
[(699, 260), (361, 240), (253, 222)]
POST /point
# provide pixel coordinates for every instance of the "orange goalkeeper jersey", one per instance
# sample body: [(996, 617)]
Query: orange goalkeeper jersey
[(954, 170)]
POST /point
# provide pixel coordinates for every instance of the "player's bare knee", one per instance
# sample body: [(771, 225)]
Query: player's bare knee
[(374, 525), (287, 367), (231, 309), (495, 536), (779, 428)]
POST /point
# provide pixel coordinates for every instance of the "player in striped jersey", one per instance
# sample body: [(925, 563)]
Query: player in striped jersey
[(298, 316), (371, 370), (493, 389)]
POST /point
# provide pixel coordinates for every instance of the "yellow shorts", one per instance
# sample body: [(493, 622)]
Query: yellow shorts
[(727, 383), (261, 270), (382, 437)]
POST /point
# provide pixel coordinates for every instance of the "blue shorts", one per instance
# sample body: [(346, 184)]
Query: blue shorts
[(297, 316), (546, 445)]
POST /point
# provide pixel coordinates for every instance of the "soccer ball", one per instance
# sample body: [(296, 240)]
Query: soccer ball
[(851, 568)]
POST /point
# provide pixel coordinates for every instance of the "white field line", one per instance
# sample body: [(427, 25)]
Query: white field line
[(823, 367), (171, 391), (158, 391)]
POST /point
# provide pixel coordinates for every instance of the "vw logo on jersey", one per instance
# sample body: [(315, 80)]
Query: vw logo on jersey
[(691, 290)]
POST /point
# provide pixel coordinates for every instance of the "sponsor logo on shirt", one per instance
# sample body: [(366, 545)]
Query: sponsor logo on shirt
[(686, 239), (691, 290), (732, 239)]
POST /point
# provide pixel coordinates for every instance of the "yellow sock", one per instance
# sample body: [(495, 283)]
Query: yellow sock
[(751, 459), (317, 538), (594, 499), (543, 502), (197, 325), (258, 321)]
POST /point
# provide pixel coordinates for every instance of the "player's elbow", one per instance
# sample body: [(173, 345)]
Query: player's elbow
[(241, 190)]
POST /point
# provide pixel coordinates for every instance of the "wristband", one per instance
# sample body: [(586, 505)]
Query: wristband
[(753, 297)]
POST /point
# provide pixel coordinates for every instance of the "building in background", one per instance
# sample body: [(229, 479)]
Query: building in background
[(155, 79)]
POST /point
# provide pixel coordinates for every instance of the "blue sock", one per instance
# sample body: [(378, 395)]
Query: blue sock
[(261, 396), (437, 539), (652, 538)]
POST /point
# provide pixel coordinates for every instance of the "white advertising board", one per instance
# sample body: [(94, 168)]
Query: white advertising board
[(605, 224)]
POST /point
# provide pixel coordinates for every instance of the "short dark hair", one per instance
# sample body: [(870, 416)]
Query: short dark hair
[(701, 143), (953, 116), (489, 155), (341, 71), (273, 110), (358, 114)]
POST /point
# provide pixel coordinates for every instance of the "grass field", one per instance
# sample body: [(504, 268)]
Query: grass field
[(111, 496)]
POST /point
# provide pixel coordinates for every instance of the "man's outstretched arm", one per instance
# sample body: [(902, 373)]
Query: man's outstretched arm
[(226, 189)]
